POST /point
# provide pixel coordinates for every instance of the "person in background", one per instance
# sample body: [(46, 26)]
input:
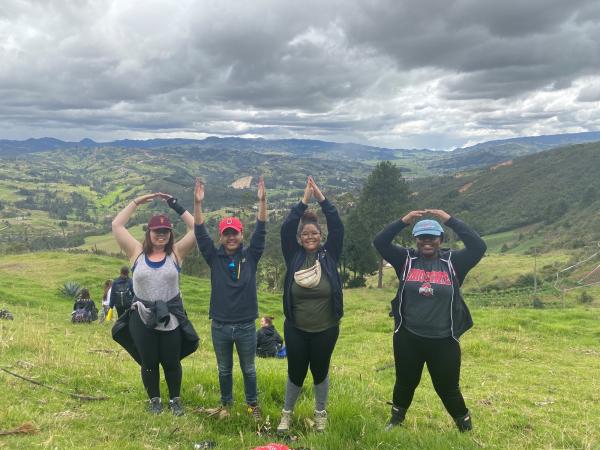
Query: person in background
[(155, 330), (233, 301), (84, 308), (268, 340), (429, 312), (106, 298), (121, 294), (312, 300)]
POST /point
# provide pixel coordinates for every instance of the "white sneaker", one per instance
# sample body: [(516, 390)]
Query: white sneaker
[(284, 423), (320, 420)]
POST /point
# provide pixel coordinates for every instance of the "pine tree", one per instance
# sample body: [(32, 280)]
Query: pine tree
[(384, 197)]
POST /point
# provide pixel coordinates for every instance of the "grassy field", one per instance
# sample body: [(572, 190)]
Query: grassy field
[(530, 377)]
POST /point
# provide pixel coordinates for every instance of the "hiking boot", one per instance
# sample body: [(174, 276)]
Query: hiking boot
[(255, 411), (398, 415), (155, 405), (176, 406), (284, 423), (464, 423), (320, 420)]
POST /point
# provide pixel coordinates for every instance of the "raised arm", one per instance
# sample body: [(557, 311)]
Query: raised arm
[(289, 227), (383, 242), (475, 247), (184, 245), (259, 236), (335, 227), (262, 200), (130, 245), (204, 241)]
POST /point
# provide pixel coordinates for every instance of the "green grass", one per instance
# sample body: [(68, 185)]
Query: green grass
[(106, 242), (530, 377)]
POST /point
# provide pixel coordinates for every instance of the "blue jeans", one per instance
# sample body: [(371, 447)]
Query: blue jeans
[(243, 335)]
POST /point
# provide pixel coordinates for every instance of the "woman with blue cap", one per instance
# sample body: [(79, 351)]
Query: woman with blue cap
[(429, 312)]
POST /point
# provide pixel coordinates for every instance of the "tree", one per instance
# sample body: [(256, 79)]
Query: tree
[(383, 198), (358, 256)]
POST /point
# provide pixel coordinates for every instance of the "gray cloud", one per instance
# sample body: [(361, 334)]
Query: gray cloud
[(383, 72)]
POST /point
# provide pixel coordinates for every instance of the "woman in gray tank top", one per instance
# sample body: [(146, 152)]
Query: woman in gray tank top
[(156, 330)]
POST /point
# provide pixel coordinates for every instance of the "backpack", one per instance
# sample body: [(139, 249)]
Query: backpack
[(123, 295), (81, 315)]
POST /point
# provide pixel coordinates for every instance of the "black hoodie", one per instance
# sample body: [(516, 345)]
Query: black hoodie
[(268, 341), (459, 263)]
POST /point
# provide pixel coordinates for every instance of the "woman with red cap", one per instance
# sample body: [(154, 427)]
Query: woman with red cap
[(156, 330), (429, 312), (233, 300)]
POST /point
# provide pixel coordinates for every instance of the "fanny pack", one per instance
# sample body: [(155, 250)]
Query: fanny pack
[(309, 278)]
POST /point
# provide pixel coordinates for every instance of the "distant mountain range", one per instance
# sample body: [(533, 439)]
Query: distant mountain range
[(418, 161), (52, 188)]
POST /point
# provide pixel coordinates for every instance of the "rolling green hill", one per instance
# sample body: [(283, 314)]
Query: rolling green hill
[(529, 376), (551, 199)]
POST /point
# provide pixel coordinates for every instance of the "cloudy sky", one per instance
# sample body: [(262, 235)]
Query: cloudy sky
[(403, 74)]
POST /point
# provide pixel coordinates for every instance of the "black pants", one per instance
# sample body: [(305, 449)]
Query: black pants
[(306, 349), (157, 347), (442, 356)]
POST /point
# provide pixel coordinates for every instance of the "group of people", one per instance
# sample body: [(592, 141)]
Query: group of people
[(429, 312), (117, 294)]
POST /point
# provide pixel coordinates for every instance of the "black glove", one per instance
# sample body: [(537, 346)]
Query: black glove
[(172, 202)]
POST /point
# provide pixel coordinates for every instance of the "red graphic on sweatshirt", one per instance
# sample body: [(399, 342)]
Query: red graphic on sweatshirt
[(434, 277)]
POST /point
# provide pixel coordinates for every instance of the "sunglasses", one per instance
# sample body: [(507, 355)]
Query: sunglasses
[(427, 237), (162, 231)]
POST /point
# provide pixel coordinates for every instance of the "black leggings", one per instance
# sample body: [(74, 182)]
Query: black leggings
[(156, 347), (442, 356), (306, 349)]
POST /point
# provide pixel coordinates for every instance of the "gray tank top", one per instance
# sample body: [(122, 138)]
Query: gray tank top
[(155, 282)]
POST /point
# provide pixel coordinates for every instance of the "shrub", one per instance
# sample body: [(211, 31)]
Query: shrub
[(356, 282), (537, 302), (70, 289), (585, 298)]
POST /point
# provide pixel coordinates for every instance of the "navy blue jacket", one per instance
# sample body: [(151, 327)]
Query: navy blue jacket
[(459, 262), (232, 301), (328, 255)]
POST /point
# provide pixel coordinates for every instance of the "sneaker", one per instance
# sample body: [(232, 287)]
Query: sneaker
[(176, 406), (155, 405), (398, 415), (320, 420), (284, 423), (255, 411), (464, 423)]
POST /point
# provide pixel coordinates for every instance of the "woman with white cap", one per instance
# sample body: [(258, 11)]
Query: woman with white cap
[(429, 312), (156, 330)]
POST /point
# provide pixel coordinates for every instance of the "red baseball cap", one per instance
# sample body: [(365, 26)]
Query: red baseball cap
[(159, 221), (231, 222)]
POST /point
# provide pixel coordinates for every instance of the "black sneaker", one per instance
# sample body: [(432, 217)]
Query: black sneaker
[(464, 423), (176, 406), (155, 405), (398, 415)]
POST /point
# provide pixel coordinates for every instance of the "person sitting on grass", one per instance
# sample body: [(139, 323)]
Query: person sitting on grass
[(268, 340), (233, 301), (84, 308)]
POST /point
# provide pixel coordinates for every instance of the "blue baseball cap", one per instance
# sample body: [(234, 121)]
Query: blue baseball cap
[(427, 227)]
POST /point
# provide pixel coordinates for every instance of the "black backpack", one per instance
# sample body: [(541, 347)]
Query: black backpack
[(123, 295)]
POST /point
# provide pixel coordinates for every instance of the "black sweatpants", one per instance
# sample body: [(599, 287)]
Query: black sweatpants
[(157, 347), (306, 350), (442, 356)]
